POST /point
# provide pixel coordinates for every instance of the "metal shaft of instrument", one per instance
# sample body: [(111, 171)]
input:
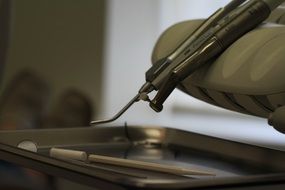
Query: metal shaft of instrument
[(231, 6), (123, 110)]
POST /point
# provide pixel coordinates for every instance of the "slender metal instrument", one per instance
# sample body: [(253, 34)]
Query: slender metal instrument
[(157, 76), (123, 110)]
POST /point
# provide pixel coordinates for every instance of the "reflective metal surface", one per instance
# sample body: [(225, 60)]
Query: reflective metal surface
[(234, 163)]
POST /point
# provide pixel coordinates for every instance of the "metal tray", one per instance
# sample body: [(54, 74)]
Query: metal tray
[(237, 165)]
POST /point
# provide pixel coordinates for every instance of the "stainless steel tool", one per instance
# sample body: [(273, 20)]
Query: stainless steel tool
[(214, 35)]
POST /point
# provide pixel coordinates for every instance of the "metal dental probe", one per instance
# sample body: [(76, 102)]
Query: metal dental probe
[(123, 110), (158, 68)]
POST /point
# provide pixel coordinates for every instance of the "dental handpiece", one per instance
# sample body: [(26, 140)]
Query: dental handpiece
[(227, 31), (155, 71)]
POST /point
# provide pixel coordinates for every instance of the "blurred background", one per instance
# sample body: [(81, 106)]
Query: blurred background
[(71, 61), (96, 53)]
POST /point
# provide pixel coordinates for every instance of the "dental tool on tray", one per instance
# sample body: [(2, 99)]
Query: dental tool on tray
[(214, 35)]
